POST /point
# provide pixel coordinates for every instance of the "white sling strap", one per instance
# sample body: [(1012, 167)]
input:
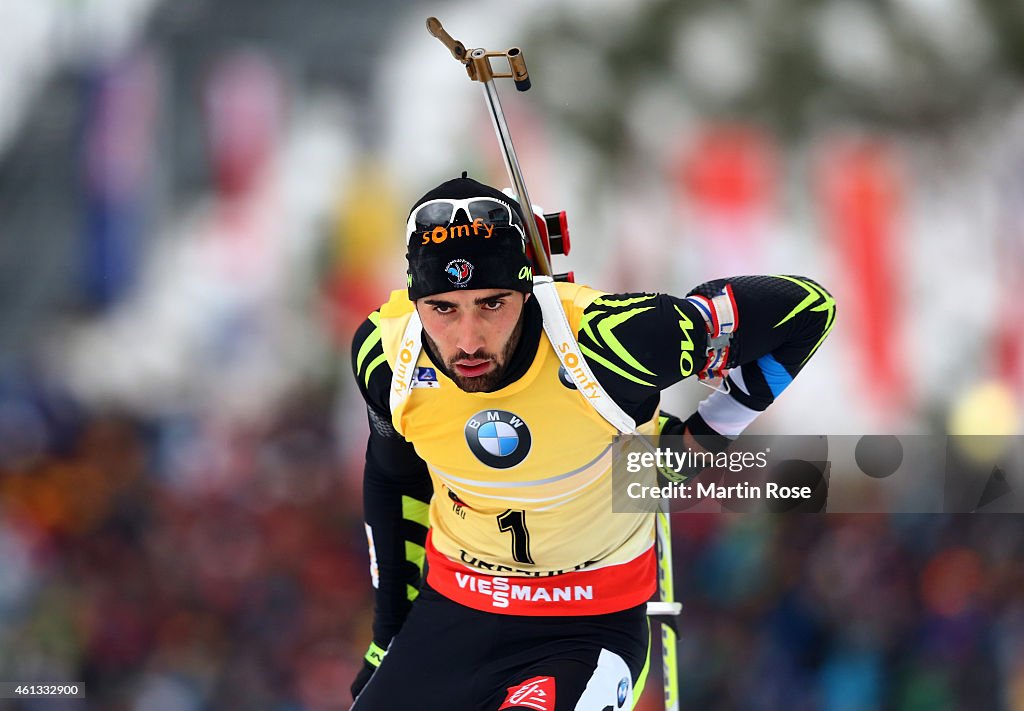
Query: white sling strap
[(559, 331), (405, 363)]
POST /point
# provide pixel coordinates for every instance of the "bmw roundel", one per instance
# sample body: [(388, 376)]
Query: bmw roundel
[(623, 691), (498, 438)]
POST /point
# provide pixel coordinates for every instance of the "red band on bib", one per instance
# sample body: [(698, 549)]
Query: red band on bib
[(582, 592)]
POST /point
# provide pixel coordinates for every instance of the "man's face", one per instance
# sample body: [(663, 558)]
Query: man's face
[(474, 333)]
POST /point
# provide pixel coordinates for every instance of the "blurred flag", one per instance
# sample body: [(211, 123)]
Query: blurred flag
[(122, 109), (243, 99), (367, 241), (244, 103), (1008, 351), (729, 180), (861, 189)]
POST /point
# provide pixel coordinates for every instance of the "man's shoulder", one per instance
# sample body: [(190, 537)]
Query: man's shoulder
[(369, 362), (577, 295), (398, 304), (370, 332), (575, 299)]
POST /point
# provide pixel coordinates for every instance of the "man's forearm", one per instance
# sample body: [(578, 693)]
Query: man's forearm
[(396, 494)]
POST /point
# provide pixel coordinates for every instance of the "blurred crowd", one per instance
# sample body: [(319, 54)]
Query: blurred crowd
[(172, 567), (849, 613), (180, 566)]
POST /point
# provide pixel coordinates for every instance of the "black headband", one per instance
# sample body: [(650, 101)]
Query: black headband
[(465, 253)]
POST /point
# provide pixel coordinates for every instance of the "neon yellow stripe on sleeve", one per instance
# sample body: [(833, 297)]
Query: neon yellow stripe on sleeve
[(416, 511), (372, 367), (371, 340), (611, 366), (415, 553)]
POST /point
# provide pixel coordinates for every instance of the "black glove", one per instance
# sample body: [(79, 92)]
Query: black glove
[(371, 661), (702, 434), (361, 678), (670, 424)]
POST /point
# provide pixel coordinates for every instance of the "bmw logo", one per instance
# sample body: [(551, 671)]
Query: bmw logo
[(498, 438), (623, 691)]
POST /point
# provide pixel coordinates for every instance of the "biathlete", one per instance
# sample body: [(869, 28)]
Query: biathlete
[(503, 579)]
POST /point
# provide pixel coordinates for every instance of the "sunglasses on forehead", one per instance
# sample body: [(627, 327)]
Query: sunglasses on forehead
[(443, 212)]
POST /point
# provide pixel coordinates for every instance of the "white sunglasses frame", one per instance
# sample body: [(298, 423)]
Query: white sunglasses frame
[(460, 203)]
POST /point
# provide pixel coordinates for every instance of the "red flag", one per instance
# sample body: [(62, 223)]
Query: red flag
[(729, 179), (861, 188)]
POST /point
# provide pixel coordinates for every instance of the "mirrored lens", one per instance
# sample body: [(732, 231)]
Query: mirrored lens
[(496, 213), (445, 212), (433, 214)]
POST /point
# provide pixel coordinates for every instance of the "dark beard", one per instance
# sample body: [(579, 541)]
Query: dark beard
[(482, 383)]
